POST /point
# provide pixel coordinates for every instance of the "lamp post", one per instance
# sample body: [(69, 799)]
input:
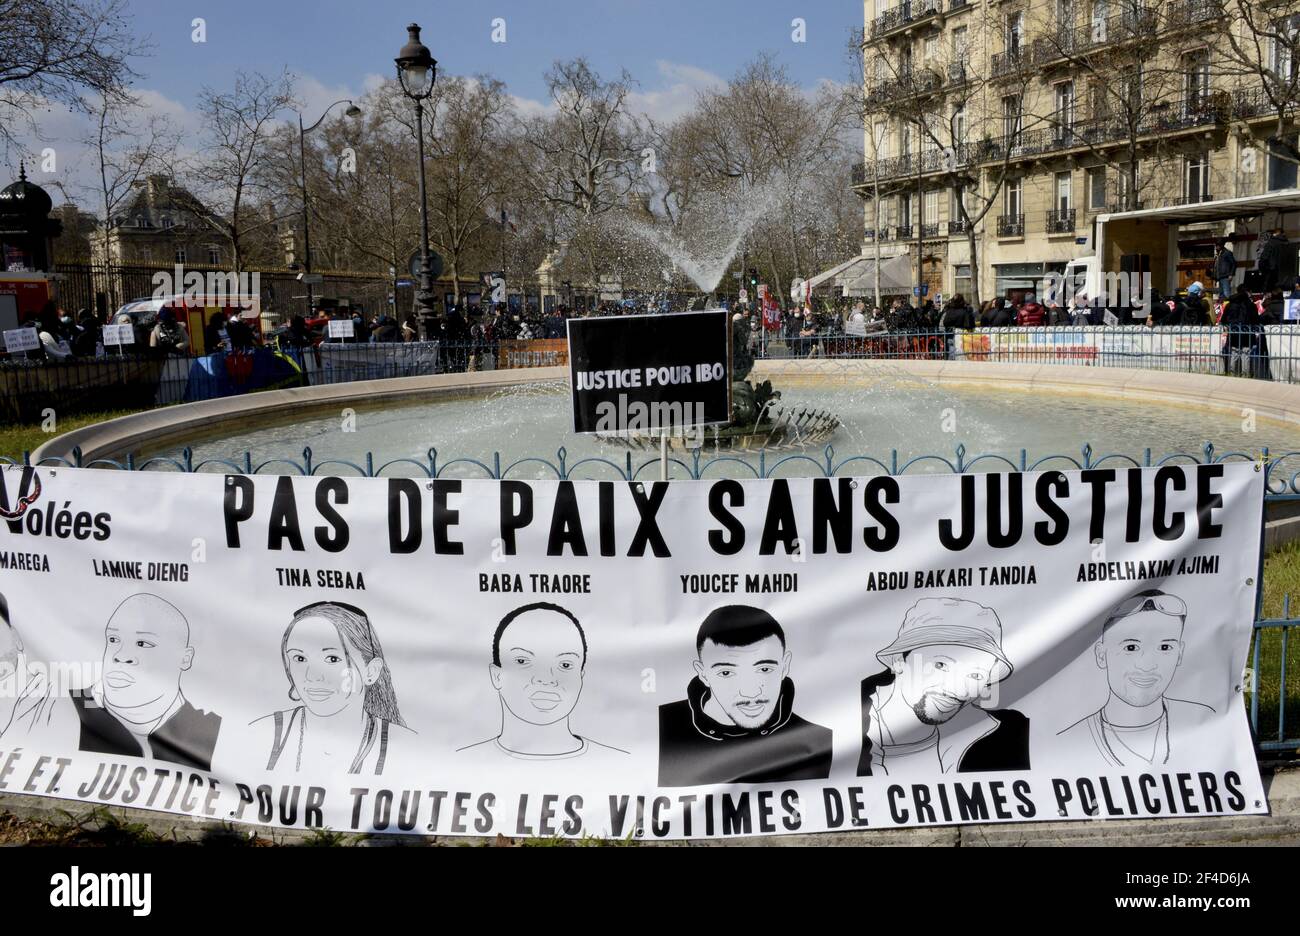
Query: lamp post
[(352, 111), (416, 73)]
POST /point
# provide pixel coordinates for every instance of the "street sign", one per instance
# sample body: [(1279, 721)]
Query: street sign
[(744, 294), (435, 265), (405, 282), (21, 339), (921, 290), (762, 291), (312, 279)]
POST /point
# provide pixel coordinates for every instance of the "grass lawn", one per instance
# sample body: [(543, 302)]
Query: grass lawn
[(19, 438), (1281, 579)]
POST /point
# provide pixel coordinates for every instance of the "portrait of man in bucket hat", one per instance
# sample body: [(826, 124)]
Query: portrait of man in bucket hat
[(921, 712)]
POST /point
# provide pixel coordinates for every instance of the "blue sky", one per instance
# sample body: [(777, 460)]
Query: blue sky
[(339, 44), (672, 48)]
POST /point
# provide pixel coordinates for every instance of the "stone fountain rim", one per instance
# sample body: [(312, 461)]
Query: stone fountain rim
[(1269, 400)]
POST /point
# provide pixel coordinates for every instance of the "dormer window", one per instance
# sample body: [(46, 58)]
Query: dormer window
[(166, 222), (141, 222)]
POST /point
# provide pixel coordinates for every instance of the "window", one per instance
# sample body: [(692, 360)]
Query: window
[(1281, 167), (959, 126), (179, 256), (1064, 95), (905, 139), (1100, 14), (1097, 188), (960, 44), (1196, 69), (146, 253), (1284, 45), (1063, 186), (141, 222), (1015, 33), (1064, 15), (1014, 198), (930, 213), (931, 49), (166, 222), (905, 210), (1011, 119), (214, 254), (1197, 178)]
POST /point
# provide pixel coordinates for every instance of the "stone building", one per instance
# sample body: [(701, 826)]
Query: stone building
[(1057, 112), (160, 226)]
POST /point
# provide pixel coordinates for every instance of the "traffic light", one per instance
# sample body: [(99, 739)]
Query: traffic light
[(753, 277)]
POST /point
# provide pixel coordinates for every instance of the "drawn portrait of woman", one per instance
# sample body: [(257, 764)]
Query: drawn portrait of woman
[(346, 714)]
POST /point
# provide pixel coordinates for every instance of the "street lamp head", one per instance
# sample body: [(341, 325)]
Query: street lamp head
[(353, 111), (416, 68)]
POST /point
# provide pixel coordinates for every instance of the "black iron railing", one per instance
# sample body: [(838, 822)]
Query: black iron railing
[(1011, 225), (1060, 221)]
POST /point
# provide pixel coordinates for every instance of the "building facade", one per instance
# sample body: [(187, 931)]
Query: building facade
[(1043, 114), (161, 224)]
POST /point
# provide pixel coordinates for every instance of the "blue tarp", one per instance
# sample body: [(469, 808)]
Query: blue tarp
[(224, 374)]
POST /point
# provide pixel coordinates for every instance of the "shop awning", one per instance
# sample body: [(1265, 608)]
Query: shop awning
[(856, 277)]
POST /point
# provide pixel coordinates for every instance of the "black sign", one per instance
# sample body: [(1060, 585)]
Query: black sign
[(646, 373)]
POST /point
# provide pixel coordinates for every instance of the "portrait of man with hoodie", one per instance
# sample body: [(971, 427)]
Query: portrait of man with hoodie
[(737, 723)]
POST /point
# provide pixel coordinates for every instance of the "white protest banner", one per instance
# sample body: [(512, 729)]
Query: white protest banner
[(18, 340), (673, 660), (342, 328)]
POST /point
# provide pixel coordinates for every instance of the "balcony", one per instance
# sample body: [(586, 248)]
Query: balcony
[(884, 235), (958, 226), (1192, 13), (1070, 42), (903, 232), (869, 234), (930, 230), (906, 14), (957, 74), (1009, 63), (1011, 225), (1060, 221), (908, 84), (1195, 198)]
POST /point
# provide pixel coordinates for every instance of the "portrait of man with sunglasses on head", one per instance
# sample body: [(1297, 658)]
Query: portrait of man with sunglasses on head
[(1140, 649)]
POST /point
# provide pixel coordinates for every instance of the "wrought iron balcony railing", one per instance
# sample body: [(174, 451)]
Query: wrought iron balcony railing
[(903, 232), (1060, 221), (1011, 62), (1011, 225), (930, 230), (907, 13), (958, 226)]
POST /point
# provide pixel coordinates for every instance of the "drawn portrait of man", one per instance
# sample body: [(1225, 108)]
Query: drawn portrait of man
[(539, 659), (137, 707), (29, 698), (1140, 649), (922, 712), (737, 723)]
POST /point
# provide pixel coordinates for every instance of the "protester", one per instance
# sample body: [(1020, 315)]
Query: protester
[(1224, 269), (957, 314), (1241, 320), (1031, 314), (169, 336)]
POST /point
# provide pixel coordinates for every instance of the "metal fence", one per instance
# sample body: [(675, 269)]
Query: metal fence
[(1269, 353), (1271, 672), (30, 387)]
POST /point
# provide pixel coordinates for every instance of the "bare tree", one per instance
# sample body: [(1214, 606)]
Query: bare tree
[(129, 146), (1262, 51), (237, 126), (59, 50)]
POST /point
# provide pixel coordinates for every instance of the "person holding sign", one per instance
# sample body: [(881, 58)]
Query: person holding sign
[(737, 723), (336, 670), (539, 656), (1140, 649), (917, 714)]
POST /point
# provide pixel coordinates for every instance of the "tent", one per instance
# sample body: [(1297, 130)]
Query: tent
[(856, 277)]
